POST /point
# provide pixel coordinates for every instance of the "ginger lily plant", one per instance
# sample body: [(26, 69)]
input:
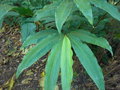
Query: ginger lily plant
[(62, 41)]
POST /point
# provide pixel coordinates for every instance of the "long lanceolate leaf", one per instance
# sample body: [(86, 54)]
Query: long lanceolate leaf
[(27, 29), (62, 13), (53, 66), (60, 56), (37, 52), (1, 21), (92, 39), (89, 62), (33, 39), (66, 64), (85, 7), (107, 7), (47, 11), (4, 10)]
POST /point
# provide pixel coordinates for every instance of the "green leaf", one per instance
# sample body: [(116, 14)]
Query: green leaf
[(47, 11), (12, 13), (62, 13), (1, 22), (37, 52), (89, 62), (4, 10), (53, 66), (85, 7), (107, 7), (27, 29), (37, 37), (66, 64), (92, 39), (23, 11)]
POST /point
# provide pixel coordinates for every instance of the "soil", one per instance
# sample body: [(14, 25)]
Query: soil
[(11, 55)]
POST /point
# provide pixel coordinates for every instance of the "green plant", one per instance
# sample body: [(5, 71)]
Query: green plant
[(64, 34)]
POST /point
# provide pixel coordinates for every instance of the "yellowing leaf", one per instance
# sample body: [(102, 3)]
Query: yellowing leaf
[(26, 81), (42, 74), (66, 64), (11, 83), (29, 72)]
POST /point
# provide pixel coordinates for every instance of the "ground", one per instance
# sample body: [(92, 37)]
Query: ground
[(33, 78)]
